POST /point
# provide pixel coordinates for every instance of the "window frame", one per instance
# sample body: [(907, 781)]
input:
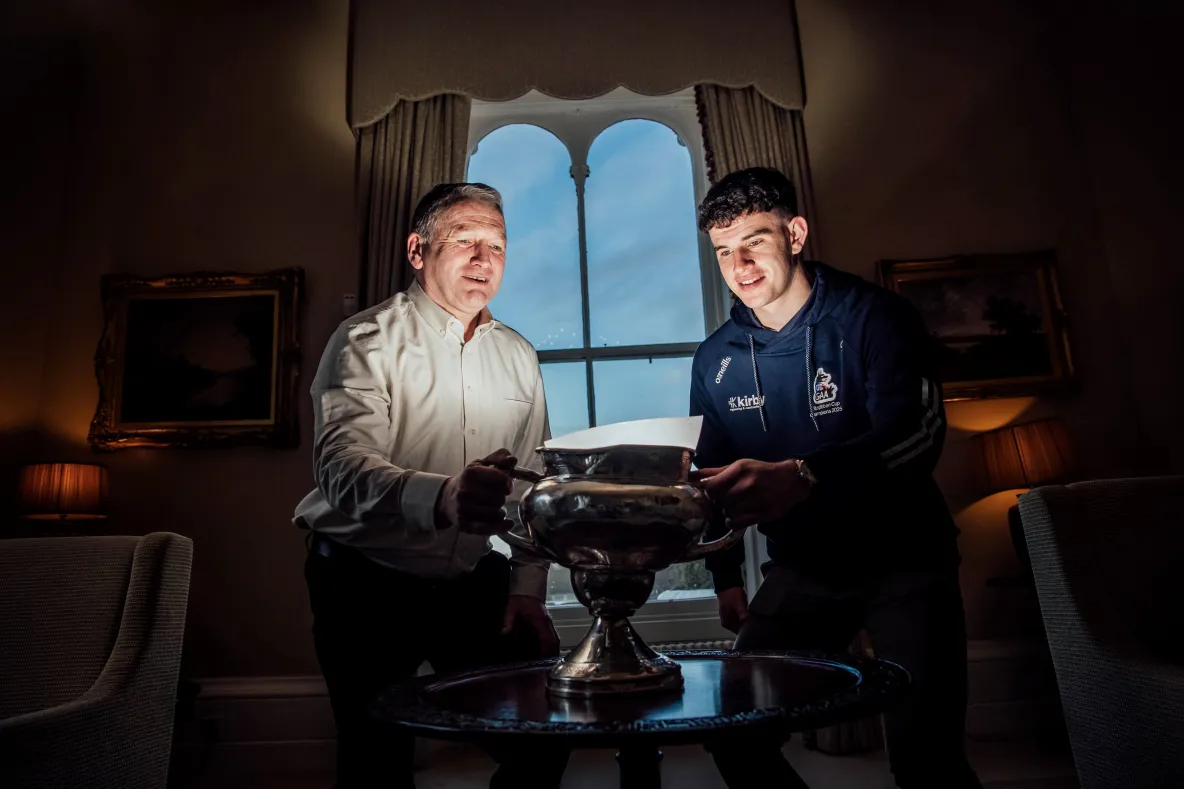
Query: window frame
[(577, 124)]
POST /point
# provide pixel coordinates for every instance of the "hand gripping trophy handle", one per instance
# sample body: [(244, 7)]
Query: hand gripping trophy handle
[(517, 540), (697, 551)]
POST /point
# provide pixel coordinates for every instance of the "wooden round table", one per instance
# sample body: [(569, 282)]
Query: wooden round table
[(725, 694)]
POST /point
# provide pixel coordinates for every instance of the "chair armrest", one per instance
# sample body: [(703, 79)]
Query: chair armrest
[(118, 733), (1165, 679), (103, 695), (47, 747), (106, 725)]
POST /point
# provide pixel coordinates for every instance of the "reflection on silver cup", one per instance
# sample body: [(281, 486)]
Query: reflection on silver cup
[(615, 516)]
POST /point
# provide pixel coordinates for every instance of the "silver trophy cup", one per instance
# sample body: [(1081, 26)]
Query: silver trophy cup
[(615, 516)]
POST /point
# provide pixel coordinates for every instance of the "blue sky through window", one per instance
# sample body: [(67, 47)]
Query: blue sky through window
[(540, 292), (628, 389), (643, 263), (643, 256), (566, 385)]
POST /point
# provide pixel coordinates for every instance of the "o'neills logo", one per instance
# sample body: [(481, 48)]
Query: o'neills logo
[(745, 403), (722, 367)]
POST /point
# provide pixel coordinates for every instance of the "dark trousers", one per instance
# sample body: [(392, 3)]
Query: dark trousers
[(373, 627), (914, 619)]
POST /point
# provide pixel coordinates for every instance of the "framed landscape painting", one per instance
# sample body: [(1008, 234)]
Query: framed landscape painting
[(997, 318), (199, 360)]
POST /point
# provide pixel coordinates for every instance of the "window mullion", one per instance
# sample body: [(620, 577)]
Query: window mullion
[(615, 352), (579, 174)]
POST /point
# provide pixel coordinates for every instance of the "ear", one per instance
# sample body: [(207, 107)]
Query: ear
[(415, 248), (798, 230)]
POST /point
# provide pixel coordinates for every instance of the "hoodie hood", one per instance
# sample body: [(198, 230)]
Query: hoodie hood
[(822, 297), (815, 308)]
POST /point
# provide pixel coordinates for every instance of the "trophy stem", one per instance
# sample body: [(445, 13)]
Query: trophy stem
[(612, 657)]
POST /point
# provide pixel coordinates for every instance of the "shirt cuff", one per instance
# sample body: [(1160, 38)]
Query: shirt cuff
[(529, 580), (418, 502)]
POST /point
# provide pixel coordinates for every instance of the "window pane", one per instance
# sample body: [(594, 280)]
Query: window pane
[(629, 389), (540, 292), (566, 385), (559, 591), (687, 581), (643, 256)]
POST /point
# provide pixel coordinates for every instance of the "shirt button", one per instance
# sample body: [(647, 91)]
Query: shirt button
[(473, 432), (469, 388), (441, 332)]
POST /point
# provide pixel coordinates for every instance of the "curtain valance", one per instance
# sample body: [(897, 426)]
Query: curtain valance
[(499, 51)]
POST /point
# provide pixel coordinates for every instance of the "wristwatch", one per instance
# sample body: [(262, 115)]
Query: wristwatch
[(805, 473)]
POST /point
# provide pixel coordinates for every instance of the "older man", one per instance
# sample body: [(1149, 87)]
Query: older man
[(422, 404)]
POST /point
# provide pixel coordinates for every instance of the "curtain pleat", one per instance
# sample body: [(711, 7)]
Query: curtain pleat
[(741, 128), (417, 145)]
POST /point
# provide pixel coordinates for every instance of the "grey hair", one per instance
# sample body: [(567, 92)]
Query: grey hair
[(432, 206)]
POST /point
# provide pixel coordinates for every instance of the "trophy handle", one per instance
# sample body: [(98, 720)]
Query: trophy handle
[(527, 475), (527, 545), (727, 541)]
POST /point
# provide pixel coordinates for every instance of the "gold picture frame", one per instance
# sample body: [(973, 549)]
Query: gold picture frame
[(208, 359), (998, 319)]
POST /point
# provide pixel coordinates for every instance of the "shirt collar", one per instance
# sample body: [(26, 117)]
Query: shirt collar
[(440, 319)]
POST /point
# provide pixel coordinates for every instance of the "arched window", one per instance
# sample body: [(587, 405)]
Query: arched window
[(644, 288), (643, 257), (606, 272)]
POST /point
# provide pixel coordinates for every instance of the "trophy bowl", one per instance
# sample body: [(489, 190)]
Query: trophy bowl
[(615, 516)]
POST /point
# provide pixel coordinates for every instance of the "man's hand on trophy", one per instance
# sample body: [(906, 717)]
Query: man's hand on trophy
[(474, 500), (501, 459), (753, 491)]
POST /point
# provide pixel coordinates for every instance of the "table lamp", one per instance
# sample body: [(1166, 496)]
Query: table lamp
[(64, 491), (1025, 456)]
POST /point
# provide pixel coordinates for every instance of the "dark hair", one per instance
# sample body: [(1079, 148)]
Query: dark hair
[(751, 191), (444, 196)]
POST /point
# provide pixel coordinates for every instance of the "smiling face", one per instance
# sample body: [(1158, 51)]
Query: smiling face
[(460, 267), (756, 257)]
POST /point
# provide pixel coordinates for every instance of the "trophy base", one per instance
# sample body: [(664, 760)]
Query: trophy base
[(612, 659)]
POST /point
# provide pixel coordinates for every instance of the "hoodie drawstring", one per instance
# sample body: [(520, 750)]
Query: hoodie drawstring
[(810, 374), (760, 398)]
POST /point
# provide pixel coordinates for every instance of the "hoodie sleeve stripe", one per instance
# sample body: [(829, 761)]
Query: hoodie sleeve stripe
[(930, 423), (905, 458)]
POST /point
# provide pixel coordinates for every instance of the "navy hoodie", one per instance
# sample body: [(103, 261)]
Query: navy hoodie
[(847, 385)]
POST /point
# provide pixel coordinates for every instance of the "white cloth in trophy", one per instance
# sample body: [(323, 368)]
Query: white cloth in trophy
[(682, 431)]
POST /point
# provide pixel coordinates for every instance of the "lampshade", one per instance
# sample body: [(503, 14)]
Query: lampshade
[(1027, 455), (64, 491)]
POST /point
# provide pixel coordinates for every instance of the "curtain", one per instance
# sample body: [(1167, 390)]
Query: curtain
[(741, 128), (400, 157)]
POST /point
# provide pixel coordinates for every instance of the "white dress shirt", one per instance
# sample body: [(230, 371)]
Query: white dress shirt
[(401, 402)]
